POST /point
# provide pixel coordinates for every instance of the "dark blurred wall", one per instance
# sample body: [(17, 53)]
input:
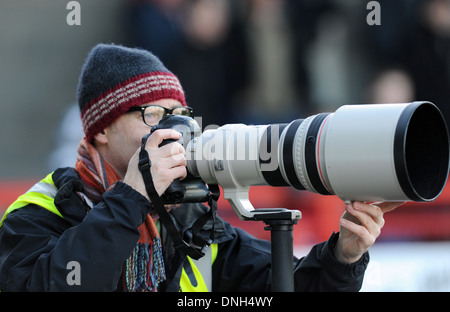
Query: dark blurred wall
[(40, 60)]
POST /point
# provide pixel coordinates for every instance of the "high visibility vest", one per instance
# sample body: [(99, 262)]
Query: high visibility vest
[(41, 194), (196, 274)]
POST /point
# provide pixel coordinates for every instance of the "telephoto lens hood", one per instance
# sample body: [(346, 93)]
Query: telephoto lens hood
[(395, 152)]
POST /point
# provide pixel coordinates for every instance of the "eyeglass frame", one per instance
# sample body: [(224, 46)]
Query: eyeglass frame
[(167, 111)]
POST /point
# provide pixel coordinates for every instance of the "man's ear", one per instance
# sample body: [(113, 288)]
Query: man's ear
[(101, 137)]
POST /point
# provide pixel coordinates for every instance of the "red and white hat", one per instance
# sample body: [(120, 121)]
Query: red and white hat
[(115, 78)]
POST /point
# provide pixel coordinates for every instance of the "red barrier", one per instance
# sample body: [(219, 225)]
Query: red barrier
[(320, 214), (10, 190)]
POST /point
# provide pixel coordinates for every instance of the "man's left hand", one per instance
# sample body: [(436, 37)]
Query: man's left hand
[(360, 226)]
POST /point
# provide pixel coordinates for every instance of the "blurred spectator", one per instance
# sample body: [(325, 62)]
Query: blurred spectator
[(427, 54), (155, 25), (329, 68), (213, 66), (304, 18), (415, 35), (382, 44), (392, 86), (201, 41), (271, 95)]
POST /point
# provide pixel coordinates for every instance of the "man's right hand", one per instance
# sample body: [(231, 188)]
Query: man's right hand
[(168, 162)]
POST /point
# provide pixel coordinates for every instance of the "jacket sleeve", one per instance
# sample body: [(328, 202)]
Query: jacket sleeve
[(243, 264), (321, 271), (37, 246)]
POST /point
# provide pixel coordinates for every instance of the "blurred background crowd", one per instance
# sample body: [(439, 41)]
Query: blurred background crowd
[(260, 61), (246, 61), (249, 61)]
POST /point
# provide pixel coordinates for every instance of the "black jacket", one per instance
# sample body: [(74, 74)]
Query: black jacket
[(36, 246)]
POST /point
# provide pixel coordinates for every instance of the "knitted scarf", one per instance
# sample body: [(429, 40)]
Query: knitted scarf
[(144, 269)]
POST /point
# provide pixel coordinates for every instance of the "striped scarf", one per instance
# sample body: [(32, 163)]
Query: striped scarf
[(144, 269)]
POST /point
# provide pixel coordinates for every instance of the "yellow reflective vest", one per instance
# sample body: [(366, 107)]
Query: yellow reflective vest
[(197, 274)]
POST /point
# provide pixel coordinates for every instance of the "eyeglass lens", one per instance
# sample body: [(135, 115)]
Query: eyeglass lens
[(153, 114)]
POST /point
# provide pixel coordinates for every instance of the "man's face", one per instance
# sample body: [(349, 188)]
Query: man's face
[(124, 136)]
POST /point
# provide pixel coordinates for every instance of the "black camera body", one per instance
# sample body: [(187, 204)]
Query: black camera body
[(191, 189)]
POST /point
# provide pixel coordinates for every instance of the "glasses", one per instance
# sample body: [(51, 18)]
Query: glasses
[(152, 114)]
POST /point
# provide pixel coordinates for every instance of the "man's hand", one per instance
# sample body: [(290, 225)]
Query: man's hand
[(360, 226), (167, 162)]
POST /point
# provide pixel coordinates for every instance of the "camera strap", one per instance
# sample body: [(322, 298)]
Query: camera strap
[(200, 245)]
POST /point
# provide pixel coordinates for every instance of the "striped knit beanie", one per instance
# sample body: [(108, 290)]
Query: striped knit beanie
[(115, 78)]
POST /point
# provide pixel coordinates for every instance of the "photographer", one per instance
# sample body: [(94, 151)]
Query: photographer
[(98, 215)]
